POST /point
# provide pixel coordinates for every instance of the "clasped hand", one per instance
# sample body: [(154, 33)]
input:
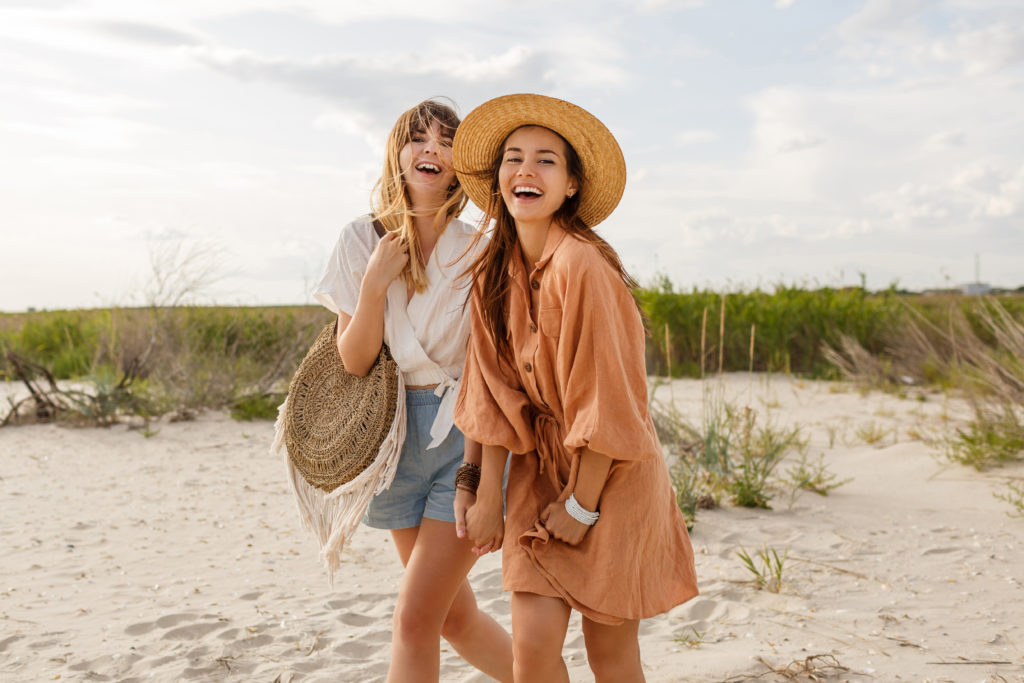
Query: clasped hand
[(561, 525), (482, 521)]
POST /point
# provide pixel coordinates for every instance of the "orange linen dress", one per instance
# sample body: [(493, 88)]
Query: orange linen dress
[(579, 380)]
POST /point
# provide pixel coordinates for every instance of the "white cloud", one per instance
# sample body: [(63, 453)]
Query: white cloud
[(696, 136)]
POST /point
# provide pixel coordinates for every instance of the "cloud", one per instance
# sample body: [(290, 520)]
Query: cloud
[(364, 86), (150, 34), (696, 136)]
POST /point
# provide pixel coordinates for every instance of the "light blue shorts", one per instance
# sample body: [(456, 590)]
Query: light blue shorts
[(424, 484)]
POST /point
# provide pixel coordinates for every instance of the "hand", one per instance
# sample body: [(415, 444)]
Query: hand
[(386, 262), (485, 526), (562, 525), (463, 501)]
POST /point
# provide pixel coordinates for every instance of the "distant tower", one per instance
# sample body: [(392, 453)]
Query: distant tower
[(977, 287)]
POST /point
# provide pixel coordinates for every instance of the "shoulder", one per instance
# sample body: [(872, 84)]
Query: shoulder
[(576, 257), (358, 234), (465, 232)]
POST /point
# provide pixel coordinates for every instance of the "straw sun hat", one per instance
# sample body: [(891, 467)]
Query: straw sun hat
[(481, 134)]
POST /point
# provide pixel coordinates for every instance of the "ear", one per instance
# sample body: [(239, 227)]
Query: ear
[(572, 190)]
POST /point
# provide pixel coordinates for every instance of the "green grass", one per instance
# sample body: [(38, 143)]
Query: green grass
[(165, 360), (767, 567)]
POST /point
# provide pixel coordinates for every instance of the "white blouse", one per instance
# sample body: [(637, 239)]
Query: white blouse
[(429, 334)]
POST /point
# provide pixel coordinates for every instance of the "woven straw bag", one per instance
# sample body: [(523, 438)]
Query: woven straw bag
[(334, 421)]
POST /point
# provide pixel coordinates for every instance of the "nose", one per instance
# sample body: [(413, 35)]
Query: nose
[(430, 145), (525, 169)]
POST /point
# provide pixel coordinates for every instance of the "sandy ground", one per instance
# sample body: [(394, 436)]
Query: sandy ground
[(175, 554)]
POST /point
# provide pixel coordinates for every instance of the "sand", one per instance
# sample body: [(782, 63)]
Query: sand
[(175, 554)]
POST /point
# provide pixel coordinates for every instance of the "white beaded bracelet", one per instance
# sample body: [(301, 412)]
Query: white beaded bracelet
[(580, 513)]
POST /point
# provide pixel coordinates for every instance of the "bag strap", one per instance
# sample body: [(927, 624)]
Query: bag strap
[(378, 227)]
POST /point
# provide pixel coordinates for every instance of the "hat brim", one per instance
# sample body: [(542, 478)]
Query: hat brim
[(480, 136)]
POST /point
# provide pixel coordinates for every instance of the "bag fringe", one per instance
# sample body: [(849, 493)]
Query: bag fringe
[(333, 517)]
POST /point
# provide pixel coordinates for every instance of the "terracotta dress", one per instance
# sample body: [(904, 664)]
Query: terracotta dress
[(578, 380)]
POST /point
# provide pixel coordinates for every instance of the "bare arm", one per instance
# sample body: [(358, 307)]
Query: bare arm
[(590, 481), (484, 521), (360, 335), (465, 499)]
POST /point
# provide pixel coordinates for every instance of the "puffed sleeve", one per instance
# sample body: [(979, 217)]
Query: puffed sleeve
[(600, 365), (492, 407), (338, 289)]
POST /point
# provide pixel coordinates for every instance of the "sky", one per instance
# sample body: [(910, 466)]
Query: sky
[(767, 142)]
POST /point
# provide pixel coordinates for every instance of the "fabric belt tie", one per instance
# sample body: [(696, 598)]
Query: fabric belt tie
[(548, 434), (448, 390)]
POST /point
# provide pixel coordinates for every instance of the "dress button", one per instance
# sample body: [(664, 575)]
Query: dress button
[(534, 284), (529, 368), (533, 327)]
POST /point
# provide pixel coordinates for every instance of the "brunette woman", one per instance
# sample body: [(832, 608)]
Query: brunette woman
[(555, 376)]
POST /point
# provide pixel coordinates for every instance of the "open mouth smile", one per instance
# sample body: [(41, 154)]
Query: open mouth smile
[(427, 167), (527, 192)]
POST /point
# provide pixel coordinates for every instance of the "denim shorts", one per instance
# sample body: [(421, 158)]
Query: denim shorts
[(424, 484)]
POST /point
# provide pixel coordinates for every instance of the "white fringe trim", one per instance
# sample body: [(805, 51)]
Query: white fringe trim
[(333, 517)]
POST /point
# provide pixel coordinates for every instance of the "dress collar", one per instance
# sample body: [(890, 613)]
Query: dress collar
[(551, 243)]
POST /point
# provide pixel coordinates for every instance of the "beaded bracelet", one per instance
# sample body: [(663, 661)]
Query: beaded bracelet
[(467, 477), (580, 513)]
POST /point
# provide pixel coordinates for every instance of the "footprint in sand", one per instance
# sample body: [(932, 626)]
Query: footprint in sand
[(8, 641), (192, 631)]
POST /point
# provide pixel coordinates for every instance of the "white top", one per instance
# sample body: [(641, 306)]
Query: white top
[(429, 334)]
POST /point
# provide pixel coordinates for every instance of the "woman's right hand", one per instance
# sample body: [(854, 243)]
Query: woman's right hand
[(386, 263), (485, 525)]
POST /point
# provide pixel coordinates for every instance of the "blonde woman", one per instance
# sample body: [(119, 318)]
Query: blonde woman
[(555, 376), (407, 288)]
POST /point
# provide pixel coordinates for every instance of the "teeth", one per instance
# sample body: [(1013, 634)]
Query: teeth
[(428, 167), (525, 189)]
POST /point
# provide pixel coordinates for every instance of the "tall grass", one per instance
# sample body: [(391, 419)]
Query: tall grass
[(977, 350), (792, 326), (179, 359)]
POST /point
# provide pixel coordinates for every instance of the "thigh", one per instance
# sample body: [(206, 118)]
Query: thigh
[(539, 621), (604, 638), (436, 564)]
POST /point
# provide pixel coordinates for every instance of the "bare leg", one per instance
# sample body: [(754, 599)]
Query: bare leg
[(613, 651), (435, 599), (539, 624)]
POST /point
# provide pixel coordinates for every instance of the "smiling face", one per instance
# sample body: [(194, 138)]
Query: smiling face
[(534, 176), (426, 163)]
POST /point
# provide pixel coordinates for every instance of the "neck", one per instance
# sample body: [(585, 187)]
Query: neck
[(532, 237)]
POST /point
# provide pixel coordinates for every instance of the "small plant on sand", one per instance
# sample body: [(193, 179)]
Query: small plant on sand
[(995, 436), (870, 433), (1015, 497), (814, 477), (759, 450), (691, 637), (767, 569), (257, 406), (695, 488)]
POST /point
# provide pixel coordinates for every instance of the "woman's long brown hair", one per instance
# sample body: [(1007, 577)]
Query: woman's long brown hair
[(390, 202), (490, 269)]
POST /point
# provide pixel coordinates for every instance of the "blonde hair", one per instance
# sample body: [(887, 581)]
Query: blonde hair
[(390, 202)]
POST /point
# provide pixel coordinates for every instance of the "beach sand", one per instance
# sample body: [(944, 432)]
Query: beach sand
[(175, 554)]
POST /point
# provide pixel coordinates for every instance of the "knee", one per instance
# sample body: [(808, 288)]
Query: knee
[(457, 623), (413, 624), (614, 664), (531, 651)]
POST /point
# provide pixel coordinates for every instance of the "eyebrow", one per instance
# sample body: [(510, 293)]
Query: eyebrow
[(539, 151)]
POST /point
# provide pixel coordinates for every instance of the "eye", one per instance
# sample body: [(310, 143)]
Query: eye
[(512, 159)]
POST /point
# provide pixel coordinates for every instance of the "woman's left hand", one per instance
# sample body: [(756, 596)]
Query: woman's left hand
[(562, 525)]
